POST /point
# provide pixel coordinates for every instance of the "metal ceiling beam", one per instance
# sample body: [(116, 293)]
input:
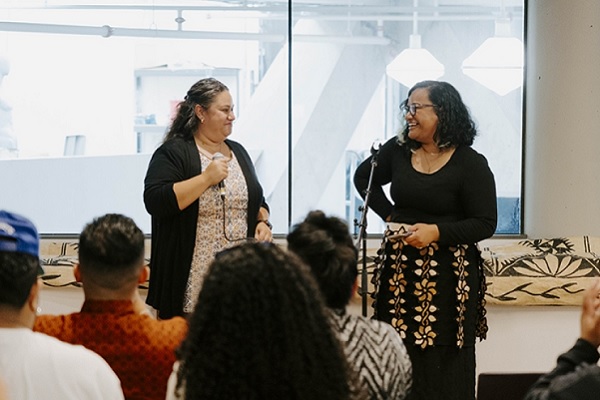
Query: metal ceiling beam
[(303, 10), (109, 31)]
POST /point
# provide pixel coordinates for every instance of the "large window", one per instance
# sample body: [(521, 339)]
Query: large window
[(88, 90)]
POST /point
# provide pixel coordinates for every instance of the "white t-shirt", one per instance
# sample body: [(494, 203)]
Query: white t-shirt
[(35, 366)]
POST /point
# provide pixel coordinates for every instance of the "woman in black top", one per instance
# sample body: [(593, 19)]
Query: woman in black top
[(429, 282)]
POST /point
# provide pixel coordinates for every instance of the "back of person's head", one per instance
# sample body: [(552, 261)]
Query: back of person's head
[(201, 93), (261, 331), (19, 259), (325, 244), (111, 252)]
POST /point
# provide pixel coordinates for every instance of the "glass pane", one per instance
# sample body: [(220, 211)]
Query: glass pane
[(344, 101), (89, 88), (100, 82)]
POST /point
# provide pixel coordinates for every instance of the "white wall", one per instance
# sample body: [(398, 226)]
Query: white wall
[(562, 183), (520, 339), (111, 184)]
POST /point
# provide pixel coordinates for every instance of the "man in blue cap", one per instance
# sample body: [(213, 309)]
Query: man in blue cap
[(34, 365)]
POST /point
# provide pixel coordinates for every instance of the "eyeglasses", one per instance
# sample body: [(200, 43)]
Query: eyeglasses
[(412, 108)]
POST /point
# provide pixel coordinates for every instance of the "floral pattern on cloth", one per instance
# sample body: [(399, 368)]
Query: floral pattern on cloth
[(221, 224), (546, 271), (421, 303), (58, 257)]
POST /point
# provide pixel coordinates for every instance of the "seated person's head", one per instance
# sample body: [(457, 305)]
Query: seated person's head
[(19, 262), (325, 244), (261, 331), (111, 253)]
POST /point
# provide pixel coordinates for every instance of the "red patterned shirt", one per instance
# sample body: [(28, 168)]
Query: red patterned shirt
[(140, 349)]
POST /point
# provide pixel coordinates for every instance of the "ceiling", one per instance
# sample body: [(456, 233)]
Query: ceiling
[(179, 18)]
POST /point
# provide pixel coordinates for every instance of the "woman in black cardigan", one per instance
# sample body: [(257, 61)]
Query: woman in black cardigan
[(203, 194)]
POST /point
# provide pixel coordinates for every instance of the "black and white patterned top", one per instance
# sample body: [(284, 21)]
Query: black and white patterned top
[(377, 353)]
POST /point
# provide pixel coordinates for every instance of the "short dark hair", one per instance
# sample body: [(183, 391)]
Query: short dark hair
[(325, 244), (111, 250), (202, 93), (18, 273), (455, 126), (261, 331)]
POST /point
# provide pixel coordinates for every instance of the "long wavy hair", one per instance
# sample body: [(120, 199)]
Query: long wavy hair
[(186, 123), (455, 126), (261, 331), (325, 244)]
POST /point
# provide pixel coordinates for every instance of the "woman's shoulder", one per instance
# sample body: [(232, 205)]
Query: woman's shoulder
[(238, 149), (176, 144), (469, 155), (392, 145), (234, 145)]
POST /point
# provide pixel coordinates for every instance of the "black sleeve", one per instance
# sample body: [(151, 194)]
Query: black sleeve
[(168, 165), (478, 199), (576, 376), (382, 175)]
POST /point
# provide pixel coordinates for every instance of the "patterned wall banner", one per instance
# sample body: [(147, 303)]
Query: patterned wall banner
[(552, 271), (59, 257)]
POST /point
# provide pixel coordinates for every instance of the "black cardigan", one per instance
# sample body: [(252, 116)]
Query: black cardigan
[(174, 230)]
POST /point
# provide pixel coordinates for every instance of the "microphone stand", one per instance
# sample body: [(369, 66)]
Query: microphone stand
[(361, 242)]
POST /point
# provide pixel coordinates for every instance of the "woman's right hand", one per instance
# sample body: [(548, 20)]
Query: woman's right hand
[(190, 190), (216, 171)]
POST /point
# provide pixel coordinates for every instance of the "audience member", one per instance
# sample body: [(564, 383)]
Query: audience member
[(577, 374), (373, 347), (262, 332), (112, 321), (3, 395), (34, 366)]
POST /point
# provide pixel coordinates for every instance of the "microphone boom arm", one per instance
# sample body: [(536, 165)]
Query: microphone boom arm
[(361, 242)]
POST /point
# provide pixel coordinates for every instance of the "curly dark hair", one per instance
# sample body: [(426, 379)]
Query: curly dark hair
[(455, 126), (203, 93), (18, 273), (325, 244), (111, 251), (261, 331)]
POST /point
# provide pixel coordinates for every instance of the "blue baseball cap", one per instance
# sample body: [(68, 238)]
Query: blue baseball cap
[(19, 235)]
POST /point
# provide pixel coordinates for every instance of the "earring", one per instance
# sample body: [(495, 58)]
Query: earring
[(201, 120)]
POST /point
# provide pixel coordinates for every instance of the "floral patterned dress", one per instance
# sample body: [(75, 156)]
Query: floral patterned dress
[(221, 223)]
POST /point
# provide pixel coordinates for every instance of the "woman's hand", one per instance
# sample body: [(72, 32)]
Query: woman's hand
[(216, 171), (422, 235), (590, 314), (190, 190), (263, 233)]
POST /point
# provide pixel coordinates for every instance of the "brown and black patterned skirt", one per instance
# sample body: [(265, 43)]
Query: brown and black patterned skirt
[(434, 298), (431, 296)]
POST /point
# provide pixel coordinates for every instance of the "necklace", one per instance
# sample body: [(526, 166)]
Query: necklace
[(431, 153), (204, 148), (426, 161)]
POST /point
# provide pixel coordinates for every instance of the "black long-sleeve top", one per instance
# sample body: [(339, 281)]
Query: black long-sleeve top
[(576, 376), (460, 198)]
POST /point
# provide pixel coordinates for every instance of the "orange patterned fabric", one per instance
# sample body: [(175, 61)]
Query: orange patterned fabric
[(140, 349)]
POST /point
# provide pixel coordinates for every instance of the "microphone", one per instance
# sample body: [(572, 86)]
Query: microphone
[(221, 185), (375, 147)]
